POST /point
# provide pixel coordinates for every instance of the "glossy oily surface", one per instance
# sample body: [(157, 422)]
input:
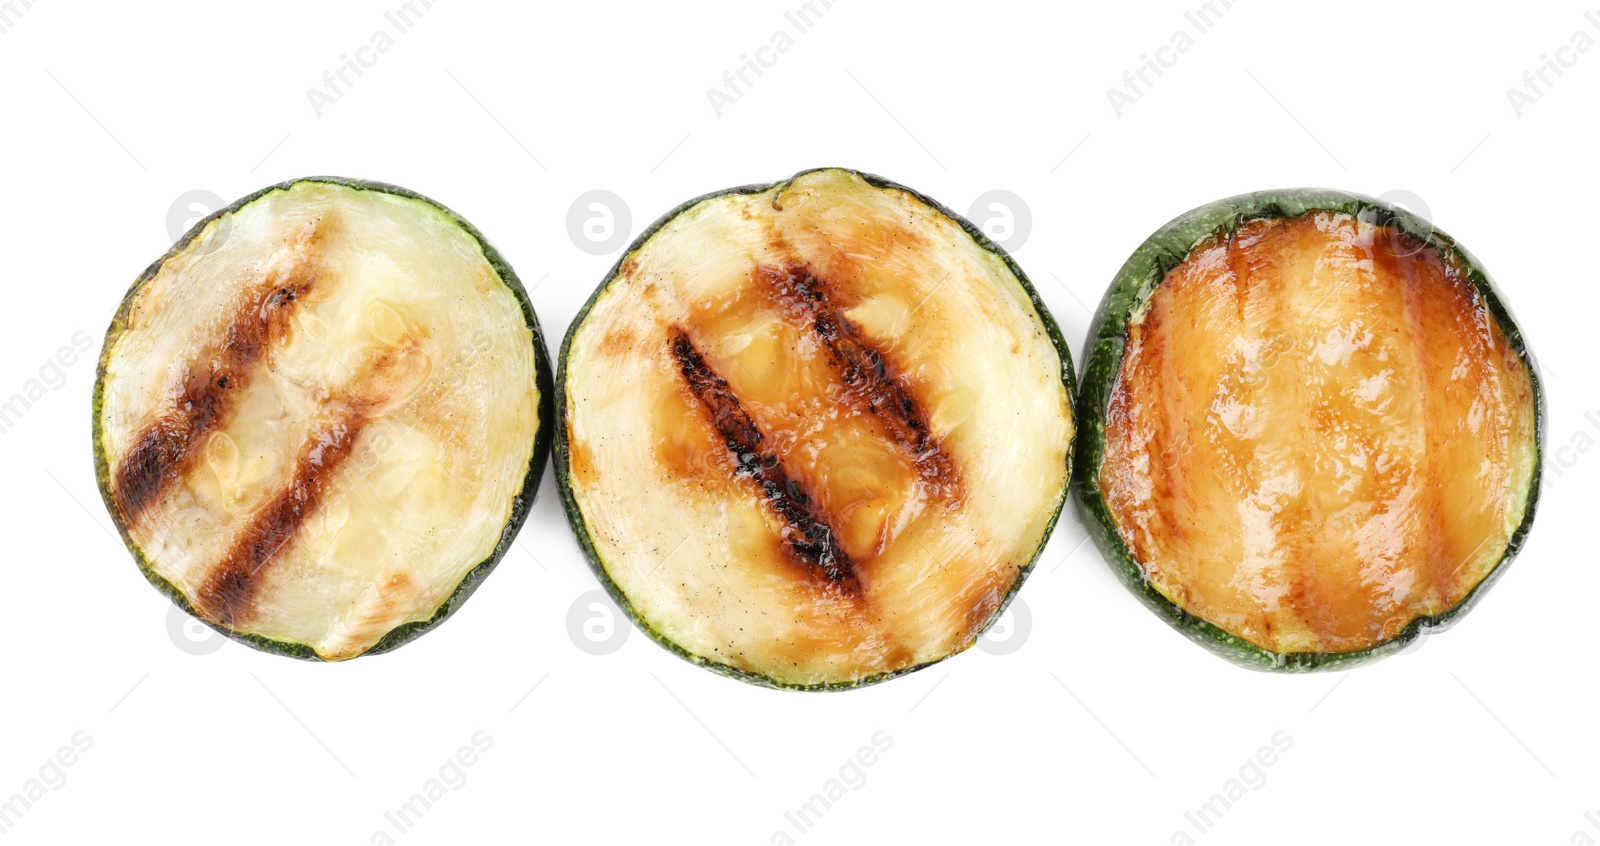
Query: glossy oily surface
[(815, 433), (315, 420), (1318, 434)]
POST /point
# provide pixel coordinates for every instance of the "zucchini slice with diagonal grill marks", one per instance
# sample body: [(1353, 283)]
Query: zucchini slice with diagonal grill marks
[(320, 419), (1311, 429), (814, 434)]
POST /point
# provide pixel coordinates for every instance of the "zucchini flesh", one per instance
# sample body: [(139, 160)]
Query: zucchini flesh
[(1319, 434), (815, 433), (318, 417)]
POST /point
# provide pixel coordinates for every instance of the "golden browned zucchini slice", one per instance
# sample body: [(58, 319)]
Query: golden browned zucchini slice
[(1311, 429), (320, 418), (814, 434)]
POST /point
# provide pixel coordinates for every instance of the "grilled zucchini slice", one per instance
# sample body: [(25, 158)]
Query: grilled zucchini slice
[(814, 434), (320, 418), (1311, 429)]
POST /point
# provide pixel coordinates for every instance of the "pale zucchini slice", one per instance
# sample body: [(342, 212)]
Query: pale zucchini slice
[(320, 419)]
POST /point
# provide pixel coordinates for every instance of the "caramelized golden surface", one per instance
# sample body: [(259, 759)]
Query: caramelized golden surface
[(1317, 435)]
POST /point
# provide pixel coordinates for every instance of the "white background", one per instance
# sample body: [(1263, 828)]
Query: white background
[(1104, 727)]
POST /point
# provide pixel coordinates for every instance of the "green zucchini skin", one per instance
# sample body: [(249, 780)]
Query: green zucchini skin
[(400, 635), (1103, 353), (562, 455)]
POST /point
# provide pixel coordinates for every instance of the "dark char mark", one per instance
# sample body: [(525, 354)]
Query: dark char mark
[(869, 379), (229, 592), (809, 536), (166, 450)]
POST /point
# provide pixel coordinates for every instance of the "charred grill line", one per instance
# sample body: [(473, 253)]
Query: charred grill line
[(229, 591), (809, 536), (868, 378), (164, 452)]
